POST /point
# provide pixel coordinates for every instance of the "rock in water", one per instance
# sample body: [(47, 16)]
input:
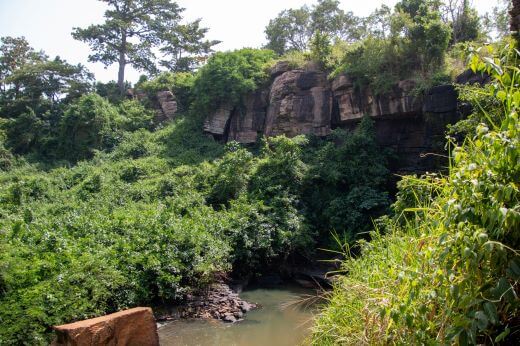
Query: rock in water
[(133, 327)]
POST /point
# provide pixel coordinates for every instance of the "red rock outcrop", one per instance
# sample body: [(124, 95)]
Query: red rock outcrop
[(133, 327)]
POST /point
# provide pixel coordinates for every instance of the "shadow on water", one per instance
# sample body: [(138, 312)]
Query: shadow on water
[(278, 322)]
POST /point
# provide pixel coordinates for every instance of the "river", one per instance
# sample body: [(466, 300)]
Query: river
[(278, 322)]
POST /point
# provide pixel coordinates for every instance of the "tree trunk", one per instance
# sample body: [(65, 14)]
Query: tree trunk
[(122, 65), (121, 75)]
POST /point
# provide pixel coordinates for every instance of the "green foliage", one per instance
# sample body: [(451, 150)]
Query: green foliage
[(135, 31), (320, 48), (497, 22), (31, 79), (180, 84), (228, 76), (130, 31), (465, 23), (87, 125), (135, 116), (411, 43), (110, 91), (351, 172), (185, 47), (293, 29), (231, 175), (289, 31), (447, 271), (372, 62), (490, 105)]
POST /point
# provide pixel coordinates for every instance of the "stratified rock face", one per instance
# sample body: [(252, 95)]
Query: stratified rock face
[(248, 123), (134, 327), (168, 106), (300, 102), (304, 101), (353, 104)]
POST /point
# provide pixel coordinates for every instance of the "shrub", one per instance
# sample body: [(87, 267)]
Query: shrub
[(228, 76), (179, 83), (350, 169), (134, 116), (88, 124)]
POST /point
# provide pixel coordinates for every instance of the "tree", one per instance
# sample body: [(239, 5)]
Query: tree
[(329, 19), (463, 19), (185, 47), (377, 24), (290, 30), (497, 22), (14, 53), (418, 28), (127, 37), (29, 79), (293, 29), (320, 48)]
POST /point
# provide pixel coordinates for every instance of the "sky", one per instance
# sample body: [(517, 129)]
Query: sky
[(47, 24)]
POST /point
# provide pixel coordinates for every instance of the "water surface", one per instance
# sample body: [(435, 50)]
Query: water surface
[(273, 324)]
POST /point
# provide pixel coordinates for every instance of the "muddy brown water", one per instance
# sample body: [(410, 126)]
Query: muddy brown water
[(277, 322)]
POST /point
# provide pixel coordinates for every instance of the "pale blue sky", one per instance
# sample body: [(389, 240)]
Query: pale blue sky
[(47, 24)]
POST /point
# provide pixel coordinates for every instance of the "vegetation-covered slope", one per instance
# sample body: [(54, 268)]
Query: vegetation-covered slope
[(446, 268), (104, 207)]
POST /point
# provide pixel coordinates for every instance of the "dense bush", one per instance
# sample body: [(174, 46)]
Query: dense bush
[(179, 83), (227, 76), (350, 170), (449, 272), (88, 124)]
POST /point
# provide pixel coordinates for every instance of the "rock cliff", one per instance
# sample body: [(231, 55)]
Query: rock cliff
[(304, 101)]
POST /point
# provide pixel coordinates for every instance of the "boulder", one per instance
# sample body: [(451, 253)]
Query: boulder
[(130, 327), (229, 317), (470, 77)]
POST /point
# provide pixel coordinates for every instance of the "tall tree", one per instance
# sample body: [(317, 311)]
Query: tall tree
[(293, 29), (14, 53), (184, 46), (130, 31), (497, 22), (377, 24), (329, 19)]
